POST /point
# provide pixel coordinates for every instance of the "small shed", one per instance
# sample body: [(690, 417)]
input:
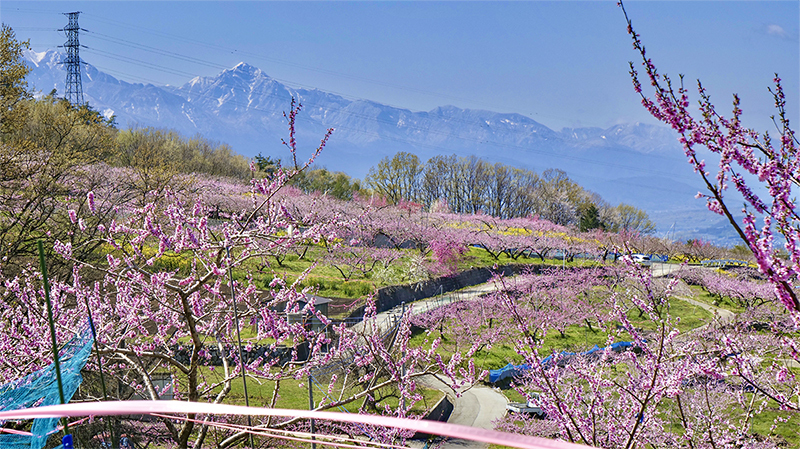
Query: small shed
[(313, 323), (320, 303)]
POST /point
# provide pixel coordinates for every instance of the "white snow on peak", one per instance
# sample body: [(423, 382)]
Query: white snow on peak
[(246, 69), (35, 57)]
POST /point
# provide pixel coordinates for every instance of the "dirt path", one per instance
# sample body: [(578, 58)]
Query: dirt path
[(665, 269)]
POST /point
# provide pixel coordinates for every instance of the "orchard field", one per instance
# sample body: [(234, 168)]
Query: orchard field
[(200, 278)]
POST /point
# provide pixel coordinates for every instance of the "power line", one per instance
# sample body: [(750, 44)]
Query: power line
[(363, 116), (378, 120), (137, 61), (135, 77), (214, 65), (36, 11), (198, 61), (297, 65), (338, 110), (179, 56), (128, 43), (35, 29), (392, 138)]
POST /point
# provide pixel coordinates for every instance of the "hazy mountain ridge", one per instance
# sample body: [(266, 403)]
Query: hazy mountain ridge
[(244, 107)]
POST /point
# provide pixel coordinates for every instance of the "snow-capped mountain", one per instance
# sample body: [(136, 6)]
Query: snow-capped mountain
[(635, 163)]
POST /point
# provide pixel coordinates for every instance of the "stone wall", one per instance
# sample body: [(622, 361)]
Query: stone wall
[(183, 354)]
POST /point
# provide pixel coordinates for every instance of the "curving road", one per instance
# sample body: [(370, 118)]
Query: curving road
[(481, 405), (478, 406), (664, 269)]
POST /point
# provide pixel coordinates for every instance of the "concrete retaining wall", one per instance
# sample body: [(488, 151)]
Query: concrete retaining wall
[(392, 296), (440, 412)]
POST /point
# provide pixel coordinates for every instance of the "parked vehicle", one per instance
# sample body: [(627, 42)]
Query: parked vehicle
[(531, 407)]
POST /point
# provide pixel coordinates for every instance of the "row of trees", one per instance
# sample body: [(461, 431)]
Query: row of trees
[(53, 153), (389, 242), (152, 262), (701, 389), (711, 382), (469, 185), (149, 149), (668, 385)]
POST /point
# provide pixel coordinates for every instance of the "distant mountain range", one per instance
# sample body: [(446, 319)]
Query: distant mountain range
[(638, 164)]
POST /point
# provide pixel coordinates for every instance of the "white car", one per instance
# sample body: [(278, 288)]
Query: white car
[(641, 258)]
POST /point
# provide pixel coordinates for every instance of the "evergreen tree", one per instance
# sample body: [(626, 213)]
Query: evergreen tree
[(590, 218)]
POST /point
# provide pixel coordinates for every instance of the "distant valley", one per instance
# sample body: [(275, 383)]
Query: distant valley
[(638, 164)]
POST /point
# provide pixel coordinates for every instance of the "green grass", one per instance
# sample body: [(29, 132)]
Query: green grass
[(293, 394), (576, 338), (699, 294), (330, 283), (336, 288), (248, 334), (580, 337), (477, 257), (497, 357), (513, 395), (691, 316), (327, 279), (789, 430)]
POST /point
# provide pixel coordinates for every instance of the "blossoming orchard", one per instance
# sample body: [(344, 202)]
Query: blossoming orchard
[(205, 290)]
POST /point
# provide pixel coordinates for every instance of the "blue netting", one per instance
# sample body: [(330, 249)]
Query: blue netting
[(40, 388), (512, 370)]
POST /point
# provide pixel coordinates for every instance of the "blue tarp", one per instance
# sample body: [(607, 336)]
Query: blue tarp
[(512, 370), (509, 370), (621, 346)]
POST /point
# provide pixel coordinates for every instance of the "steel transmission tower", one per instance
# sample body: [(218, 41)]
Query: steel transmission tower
[(73, 85)]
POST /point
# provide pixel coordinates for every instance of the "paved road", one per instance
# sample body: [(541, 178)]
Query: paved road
[(664, 269), (386, 320), (478, 406)]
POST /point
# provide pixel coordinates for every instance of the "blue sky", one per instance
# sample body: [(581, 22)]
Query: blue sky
[(561, 63)]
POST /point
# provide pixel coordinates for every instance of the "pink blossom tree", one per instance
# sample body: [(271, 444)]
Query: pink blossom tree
[(618, 398), (163, 301), (743, 154)]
